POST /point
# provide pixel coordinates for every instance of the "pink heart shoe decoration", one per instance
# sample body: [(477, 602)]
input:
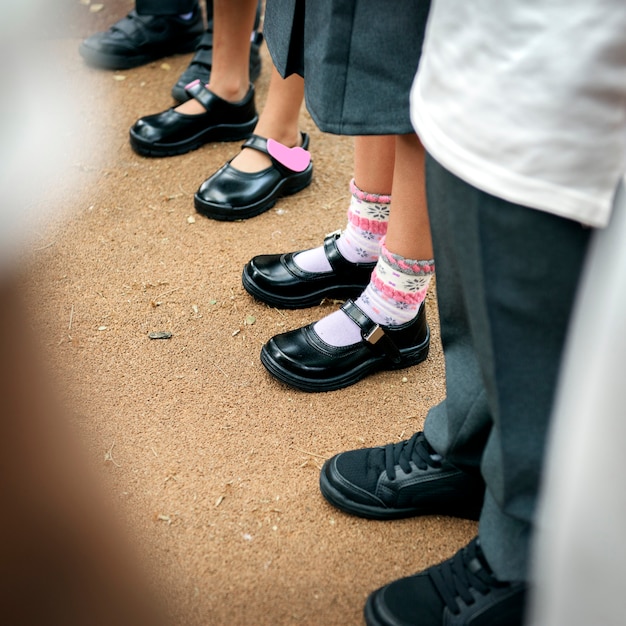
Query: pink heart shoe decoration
[(296, 159)]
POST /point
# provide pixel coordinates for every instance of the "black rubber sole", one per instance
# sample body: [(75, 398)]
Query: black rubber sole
[(337, 292), (221, 133), (410, 356), (285, 187), (371, 614)]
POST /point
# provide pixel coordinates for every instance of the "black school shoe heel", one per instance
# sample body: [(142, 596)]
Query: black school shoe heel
[(170, 133), (276, 279), (300, 359), (231, 194)]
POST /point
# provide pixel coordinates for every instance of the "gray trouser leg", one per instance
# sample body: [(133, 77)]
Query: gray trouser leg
[(506, 280)]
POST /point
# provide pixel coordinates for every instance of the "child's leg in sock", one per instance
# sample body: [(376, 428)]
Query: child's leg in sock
[(400, 280), (368, 213)]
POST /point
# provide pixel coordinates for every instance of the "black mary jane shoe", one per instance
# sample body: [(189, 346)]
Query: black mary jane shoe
[(231, 194), (170, 132), (276, 279), (302, 360)]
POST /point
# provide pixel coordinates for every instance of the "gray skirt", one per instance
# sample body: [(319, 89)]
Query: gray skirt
[(358, 59)]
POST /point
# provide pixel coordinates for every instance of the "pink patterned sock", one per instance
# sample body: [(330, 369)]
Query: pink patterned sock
[(393, 297), (368, 215)]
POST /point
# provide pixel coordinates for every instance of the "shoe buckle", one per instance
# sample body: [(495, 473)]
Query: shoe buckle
[(375, 335)]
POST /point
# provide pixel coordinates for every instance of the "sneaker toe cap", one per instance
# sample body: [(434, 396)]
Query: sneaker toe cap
[(344, 474)]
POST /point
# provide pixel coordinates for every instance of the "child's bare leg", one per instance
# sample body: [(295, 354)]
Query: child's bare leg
[(279, 120), (230, 74)]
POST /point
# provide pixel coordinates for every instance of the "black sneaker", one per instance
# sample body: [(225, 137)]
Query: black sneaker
[(139, 39), (200, 66), (461, 590), (400, 480)]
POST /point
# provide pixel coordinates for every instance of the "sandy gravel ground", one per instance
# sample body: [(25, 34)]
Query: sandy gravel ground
[(212, 464)]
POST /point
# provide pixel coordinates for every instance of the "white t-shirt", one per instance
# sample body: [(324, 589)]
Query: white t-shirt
[(526, 100)]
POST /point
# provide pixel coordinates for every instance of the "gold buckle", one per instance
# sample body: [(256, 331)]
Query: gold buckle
[(375, 335)]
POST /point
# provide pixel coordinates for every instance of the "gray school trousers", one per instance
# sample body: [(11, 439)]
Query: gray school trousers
[(506, 280)]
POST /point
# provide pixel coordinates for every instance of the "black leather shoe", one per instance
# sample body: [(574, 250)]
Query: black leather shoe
[(302, 360), (276, 279), (170, 133), (202, 61), (231, 194), (461, 590), (139, 39), (403, 479)]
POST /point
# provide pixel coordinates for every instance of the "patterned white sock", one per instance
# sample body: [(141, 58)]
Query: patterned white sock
[(368, 215), (393, 297)]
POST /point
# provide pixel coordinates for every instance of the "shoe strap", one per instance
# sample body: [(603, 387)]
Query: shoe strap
[(337, 261), (256, 142), (372, 333), (199, 91), (131, 23), (204, 49), (203, 56)]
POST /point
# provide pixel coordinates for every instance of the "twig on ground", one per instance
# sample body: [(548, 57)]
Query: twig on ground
[(319, 456)]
